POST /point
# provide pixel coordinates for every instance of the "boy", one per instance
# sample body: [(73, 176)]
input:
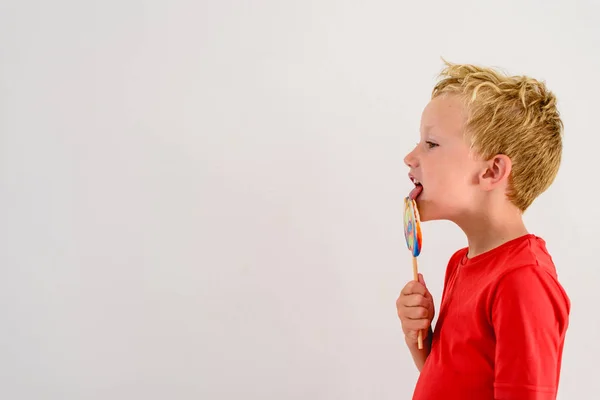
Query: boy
[(490, 144)]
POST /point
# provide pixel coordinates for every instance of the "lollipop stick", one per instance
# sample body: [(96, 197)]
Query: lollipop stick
[(415, 269), (416, 277)]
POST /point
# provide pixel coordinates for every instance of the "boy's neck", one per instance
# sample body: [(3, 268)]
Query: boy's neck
[(492, 229)]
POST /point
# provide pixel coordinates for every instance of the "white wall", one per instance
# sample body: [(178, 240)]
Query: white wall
[(203, 200)]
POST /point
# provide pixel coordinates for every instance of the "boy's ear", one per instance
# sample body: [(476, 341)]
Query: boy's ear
[(496, 172)]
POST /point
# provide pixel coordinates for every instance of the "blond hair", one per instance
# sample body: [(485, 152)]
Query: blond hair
[(511, 115)]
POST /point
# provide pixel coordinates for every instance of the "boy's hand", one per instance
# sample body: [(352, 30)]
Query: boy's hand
[(415, 309)]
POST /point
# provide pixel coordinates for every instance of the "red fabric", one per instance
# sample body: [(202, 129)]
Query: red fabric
[(501, 327)]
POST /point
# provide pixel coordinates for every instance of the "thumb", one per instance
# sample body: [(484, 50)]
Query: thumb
[(422, 280)]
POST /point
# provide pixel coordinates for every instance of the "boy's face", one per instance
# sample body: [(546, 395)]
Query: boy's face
[(444, 163)]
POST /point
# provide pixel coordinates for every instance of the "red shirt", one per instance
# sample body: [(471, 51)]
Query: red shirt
[(501, 327)]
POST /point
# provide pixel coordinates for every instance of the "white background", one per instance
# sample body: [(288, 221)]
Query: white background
[(203, 200)]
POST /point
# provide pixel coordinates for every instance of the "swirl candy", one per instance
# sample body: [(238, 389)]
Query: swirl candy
[(412, 227)]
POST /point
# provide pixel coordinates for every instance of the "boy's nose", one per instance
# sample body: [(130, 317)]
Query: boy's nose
[(410, 160)]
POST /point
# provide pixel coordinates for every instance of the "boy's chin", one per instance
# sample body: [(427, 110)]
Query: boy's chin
[(427, 212), (425, 218), (435, 212)]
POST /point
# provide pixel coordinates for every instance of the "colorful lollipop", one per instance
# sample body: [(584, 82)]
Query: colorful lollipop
[(414, 240), (412, 227)]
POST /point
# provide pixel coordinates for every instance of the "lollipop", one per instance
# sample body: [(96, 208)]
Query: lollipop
[(412, 228), (412, 233)]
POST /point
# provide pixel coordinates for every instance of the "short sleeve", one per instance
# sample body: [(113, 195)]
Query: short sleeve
[(529, 314), (451, 271)]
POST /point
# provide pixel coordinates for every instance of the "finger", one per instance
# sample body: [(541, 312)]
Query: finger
[(420, 324), (414, 300), (413, 287), (414, 334), (415, 313), (414, 326)]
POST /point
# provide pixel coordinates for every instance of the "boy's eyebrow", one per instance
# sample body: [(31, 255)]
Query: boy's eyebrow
[(427, 130)]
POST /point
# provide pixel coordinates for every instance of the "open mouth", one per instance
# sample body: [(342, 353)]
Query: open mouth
[(417, 190)]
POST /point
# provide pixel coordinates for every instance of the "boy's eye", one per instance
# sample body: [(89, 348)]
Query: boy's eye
[(431, 145)]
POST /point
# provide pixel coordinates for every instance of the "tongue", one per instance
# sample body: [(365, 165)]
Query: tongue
[(415, 192)]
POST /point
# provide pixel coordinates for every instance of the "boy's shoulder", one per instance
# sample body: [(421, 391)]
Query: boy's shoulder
[(521, 266), (524, 257), (526, 250)]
